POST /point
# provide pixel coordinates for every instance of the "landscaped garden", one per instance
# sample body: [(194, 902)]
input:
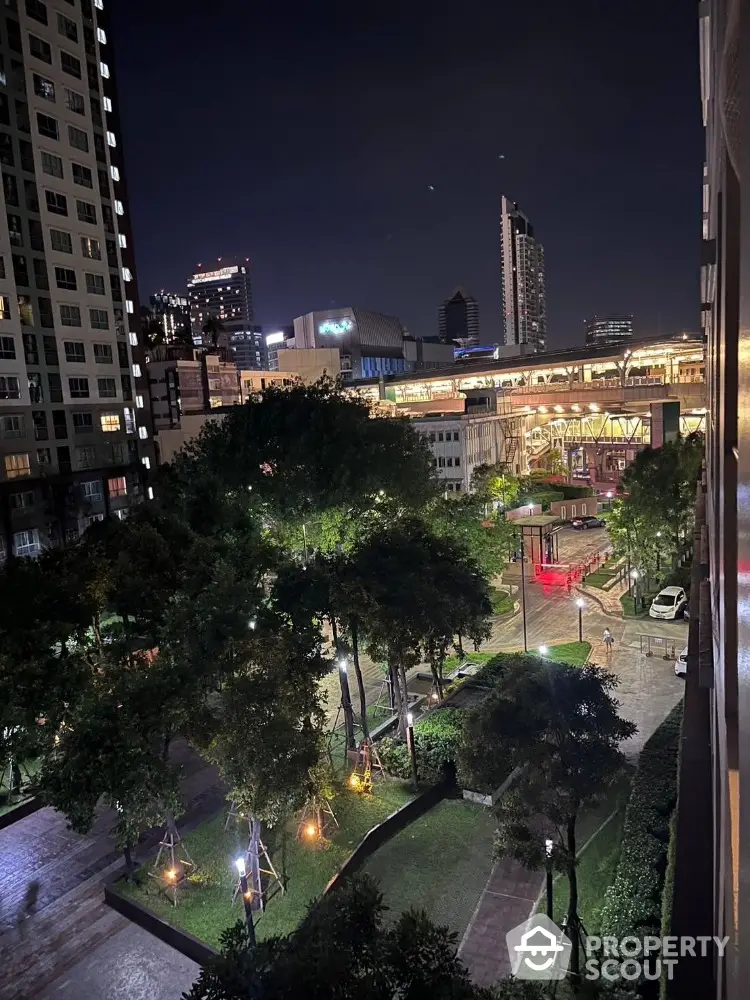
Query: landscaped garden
[(502, 601), (204, 905)]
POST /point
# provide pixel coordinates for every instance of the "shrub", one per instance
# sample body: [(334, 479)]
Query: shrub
[(576, 492), (632, 904), (436, 741), (502, 601)]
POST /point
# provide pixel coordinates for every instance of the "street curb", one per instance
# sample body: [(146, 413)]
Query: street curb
[(609, 614)]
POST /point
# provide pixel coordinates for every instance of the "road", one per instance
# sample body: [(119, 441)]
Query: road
[(75, 947)]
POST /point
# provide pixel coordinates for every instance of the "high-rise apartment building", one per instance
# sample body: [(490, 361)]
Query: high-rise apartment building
[(458, 319), (75, 435), (523, 287), (607, 330), (711, 850), (172, 313), (222, 293)]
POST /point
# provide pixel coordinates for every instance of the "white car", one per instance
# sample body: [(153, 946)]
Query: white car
[(680, 664), (668, 603)]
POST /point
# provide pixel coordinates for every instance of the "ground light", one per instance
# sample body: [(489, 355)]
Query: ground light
[(580, 605), (543, 650)]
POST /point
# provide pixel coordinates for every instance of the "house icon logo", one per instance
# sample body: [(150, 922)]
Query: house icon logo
[(538, 949)]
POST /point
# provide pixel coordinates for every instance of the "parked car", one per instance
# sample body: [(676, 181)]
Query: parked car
[(668, 603), (680, 664), (581, 523)]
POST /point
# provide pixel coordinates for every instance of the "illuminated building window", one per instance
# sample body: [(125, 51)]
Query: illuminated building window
[(107, 102), (104, 70), (110, 422), (118, 486), (122, 240), (17, 465), (137, 371), (146, 461), (101, 35), (142, 432), (139, 402)]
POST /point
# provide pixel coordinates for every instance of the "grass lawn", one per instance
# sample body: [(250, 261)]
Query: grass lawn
[(574, 653), (628, 606), (455, 661), (502, 602), (440, 863), (204, 906), (598, 579)]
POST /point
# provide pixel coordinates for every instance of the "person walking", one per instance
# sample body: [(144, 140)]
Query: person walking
[(28, 907), (609, 640)]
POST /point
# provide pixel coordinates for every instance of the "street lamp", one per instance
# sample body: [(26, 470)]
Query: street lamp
[(634, 577), (579, 604), (548, 845), (412, 749), (658, 553), (543, 650), (247, 898), (523, 594)]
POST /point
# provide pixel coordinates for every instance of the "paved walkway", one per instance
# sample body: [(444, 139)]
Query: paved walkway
[(647, 692), (72, 924)]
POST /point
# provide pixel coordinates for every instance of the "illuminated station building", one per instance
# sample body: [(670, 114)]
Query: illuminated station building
[(594, 406)]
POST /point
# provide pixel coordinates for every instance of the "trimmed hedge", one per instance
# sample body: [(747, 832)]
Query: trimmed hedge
[(436, 741), (632, 904), (576, 492)]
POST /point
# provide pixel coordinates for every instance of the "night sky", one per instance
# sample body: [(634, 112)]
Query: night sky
[(306, 136)]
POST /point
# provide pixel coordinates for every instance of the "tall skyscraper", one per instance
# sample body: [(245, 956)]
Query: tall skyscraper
[(609, 330), (458, 319), (172, 313), (223, 293), (522, 279), (75, 434)]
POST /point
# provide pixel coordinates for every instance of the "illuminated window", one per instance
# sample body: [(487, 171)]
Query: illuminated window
[(115, 172), (107, 102), (110, 422), (133, 338), (119, 208), (129, 305), (122, 240), (139, 402), (111, 139), (104, 70), (142, 432), (17, 466), (150, 492), (118, 487), (146, 461), (99, 4), (137, 371), (101, 35), (127, 274)]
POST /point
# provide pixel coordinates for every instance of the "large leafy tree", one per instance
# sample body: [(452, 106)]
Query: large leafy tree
[(263, 730), (344, 950), (418, 592), (560, 725), (485, 534)]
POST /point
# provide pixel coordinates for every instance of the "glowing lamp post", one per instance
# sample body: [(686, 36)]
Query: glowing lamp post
[(548, 845), (634, 577), (247, 898), (579, 604), (411, 747)]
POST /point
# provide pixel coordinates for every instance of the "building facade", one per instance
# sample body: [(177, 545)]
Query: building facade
[(224, 294), (712, 857), (187, 381), (609, 329), (75, 432), (172, 314), (522, 279), (458, 319), (370, 344)]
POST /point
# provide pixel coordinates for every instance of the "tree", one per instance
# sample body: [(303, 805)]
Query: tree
[(488, 537), (495, 482), (152, 332), (553, 462), (343, 950), (560, 725), (213, 328), (263, 731), (419, 591)]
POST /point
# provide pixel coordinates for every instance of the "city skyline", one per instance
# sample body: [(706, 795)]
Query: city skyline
[(379, 210)]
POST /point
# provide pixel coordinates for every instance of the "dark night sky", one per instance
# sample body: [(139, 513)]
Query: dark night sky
[(305, 136)]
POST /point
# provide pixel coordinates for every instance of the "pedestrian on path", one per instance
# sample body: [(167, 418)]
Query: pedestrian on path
[(609, 640)]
